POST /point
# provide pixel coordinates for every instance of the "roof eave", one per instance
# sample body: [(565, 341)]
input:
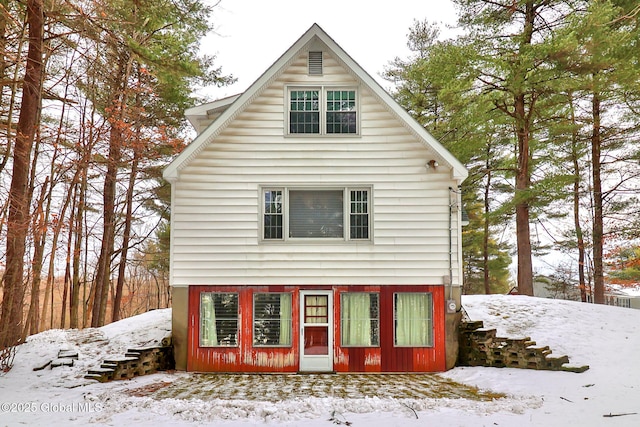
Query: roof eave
[(238, 103)]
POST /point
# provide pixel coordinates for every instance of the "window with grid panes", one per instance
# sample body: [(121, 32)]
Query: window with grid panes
[(273, 214), (323, 110), (359, 214), (316, 214), (341, 111), (304, 111)]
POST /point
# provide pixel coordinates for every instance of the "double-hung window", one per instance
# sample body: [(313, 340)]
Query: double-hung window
[(316, 213), (413, 319), (272, 319), (218, 319), (322, 110), (359, 319)]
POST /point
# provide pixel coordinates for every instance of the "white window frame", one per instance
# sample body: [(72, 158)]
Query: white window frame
[(322, 101), (346, 218)]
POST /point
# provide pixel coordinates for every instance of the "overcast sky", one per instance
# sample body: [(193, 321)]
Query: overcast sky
[(252, 34)]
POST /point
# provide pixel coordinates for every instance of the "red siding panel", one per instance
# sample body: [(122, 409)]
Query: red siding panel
[(244, 357), (385, 358)]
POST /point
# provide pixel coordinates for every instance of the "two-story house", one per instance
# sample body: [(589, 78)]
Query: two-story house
[(315, 227)]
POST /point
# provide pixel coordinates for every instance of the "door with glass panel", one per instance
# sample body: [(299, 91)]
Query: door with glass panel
[(316, 331)]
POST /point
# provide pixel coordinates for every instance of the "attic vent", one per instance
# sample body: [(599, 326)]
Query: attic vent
[(315, 63)]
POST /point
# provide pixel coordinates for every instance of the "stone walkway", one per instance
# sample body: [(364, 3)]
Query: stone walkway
[(273, 387)]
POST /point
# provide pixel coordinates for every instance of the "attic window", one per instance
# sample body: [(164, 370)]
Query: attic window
[(323, 110), (315, 63)]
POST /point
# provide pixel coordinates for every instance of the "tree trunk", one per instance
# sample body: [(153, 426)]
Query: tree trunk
[(77, 228), (523, 184), (486, 235), (11, 317), (598, 235), (523, 174), (39, 237), (125, 239), (4, 79), (103, 272), (576, 203), (116, 140)]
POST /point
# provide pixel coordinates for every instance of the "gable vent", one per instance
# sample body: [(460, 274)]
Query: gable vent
[(315, 63)]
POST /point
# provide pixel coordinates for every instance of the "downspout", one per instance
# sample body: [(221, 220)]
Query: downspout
[(452, 309), (451, 192), (455, 208)]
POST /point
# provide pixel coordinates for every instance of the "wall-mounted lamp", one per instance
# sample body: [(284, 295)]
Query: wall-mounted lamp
[(431, 164)]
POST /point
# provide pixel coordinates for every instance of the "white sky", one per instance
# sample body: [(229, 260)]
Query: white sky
[(252, 34)]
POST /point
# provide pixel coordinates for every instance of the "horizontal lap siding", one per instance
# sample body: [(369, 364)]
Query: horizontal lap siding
[(216, 211)]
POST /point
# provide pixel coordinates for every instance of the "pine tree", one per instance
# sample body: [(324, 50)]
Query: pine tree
[(436, 86)]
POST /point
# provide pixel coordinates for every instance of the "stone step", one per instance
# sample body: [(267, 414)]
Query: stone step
[(97, 377), (106, 365), (123, 360), (68, 354), (137, 361), (56, 363), (100, 371), (482, 347), (471, 326)]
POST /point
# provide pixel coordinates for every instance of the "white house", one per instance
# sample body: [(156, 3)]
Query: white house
[(315, 227)]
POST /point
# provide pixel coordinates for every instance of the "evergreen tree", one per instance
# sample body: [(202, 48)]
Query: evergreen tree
[(437, 87), (597, 52)]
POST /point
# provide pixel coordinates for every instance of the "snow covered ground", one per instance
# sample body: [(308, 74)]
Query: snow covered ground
[(605, 338)]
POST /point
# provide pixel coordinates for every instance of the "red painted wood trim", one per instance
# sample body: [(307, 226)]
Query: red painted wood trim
[(386, 358)]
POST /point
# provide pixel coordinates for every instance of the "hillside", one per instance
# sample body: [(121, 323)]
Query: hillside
[(605, 338)]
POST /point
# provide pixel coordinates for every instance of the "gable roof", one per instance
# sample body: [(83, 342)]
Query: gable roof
[(240, 102), (202, 112)]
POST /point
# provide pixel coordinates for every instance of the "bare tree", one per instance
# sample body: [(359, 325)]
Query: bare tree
[(11, 317)]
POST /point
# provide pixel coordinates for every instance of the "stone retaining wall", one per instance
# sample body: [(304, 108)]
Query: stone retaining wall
[(481, 347)]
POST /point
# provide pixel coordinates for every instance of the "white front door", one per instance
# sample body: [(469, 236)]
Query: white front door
[(316, 331)]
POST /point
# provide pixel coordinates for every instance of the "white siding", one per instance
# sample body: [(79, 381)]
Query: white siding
[(216, 212)]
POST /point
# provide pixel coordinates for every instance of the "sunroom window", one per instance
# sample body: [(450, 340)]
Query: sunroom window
[(218, 319), (359, 319), (272, 319), (312, 213), (323, 110), (413, 319)]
